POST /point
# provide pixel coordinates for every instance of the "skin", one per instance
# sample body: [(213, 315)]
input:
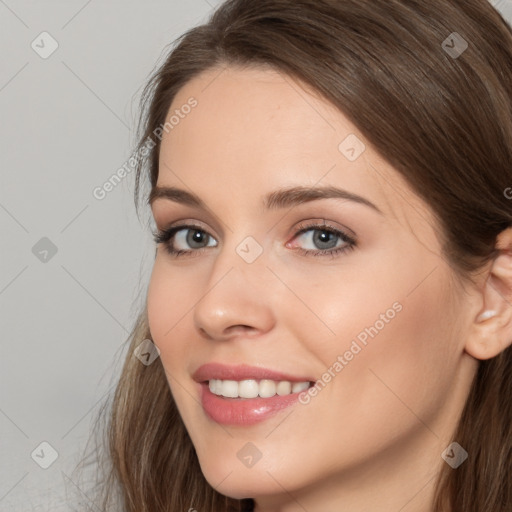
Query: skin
[(372, 438)]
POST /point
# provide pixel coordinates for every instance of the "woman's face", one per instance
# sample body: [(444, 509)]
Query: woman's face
[(348, 291)]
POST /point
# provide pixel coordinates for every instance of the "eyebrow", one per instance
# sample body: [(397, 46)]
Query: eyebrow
[(282, 198)]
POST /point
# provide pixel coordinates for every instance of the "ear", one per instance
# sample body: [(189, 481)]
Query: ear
[(491, 332)]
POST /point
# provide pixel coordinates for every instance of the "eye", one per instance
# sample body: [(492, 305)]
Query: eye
[(323, 240), (191, 240), (184, 239)]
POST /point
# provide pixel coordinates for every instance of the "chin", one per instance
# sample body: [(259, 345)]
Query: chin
[(240, 482), (239, 485)]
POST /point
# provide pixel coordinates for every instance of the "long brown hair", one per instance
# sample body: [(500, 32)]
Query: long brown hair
[(442, 119)]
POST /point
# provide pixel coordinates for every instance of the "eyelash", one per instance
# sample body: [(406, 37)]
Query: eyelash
[(164, 237)]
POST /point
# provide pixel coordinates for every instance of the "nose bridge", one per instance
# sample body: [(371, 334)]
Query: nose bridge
[(237, 292)]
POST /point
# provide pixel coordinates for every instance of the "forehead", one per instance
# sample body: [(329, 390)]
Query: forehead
[(257, 129), (243, 109)]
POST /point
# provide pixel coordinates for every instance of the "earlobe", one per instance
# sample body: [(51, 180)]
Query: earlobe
[(489, 313), (491, 332)]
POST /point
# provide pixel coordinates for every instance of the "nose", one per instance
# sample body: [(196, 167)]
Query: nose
[(237, 301)]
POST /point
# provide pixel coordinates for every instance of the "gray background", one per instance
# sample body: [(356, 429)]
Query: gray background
[(68, 124)]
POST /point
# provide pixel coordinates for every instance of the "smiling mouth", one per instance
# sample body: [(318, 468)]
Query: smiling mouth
[(252, 388)]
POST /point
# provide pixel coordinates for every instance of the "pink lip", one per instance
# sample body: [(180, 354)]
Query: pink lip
[(242, 372), (242, 411)]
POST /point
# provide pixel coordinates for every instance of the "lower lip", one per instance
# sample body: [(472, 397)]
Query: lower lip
[(243, 411)]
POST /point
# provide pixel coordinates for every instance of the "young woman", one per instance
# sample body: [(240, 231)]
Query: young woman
[(331, 298)]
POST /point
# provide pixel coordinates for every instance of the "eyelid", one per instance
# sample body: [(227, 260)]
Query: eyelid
[(187, 223), (212, 223), (319, 222)]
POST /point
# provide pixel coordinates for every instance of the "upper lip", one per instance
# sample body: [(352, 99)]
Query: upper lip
[(221, 371)]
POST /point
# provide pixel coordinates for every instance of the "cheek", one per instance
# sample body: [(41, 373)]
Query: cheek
[(157, 304), (398, 370), (169, 307), (166, 307), (394, 336)]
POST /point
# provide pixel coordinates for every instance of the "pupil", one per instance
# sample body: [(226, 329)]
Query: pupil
[(195, 237), (322, 237)]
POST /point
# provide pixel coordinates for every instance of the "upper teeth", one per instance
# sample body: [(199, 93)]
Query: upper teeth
[(253, 388)]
